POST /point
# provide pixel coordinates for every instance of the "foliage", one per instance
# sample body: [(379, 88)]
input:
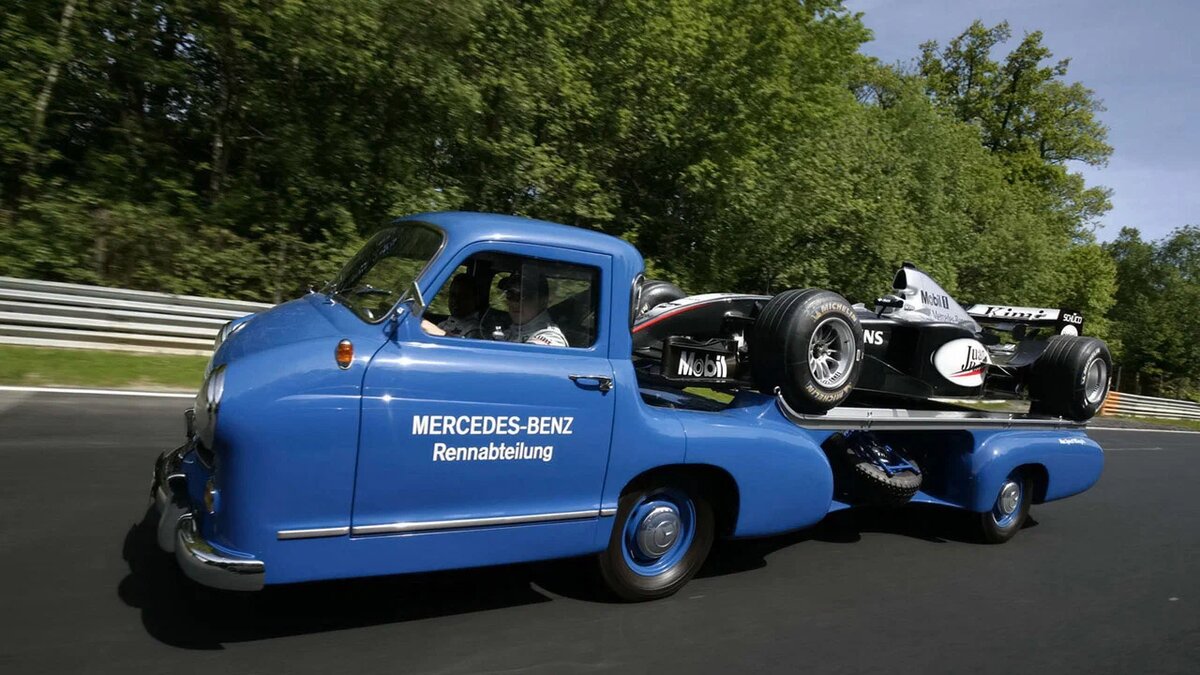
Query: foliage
[(244, 149), (1155, 313)]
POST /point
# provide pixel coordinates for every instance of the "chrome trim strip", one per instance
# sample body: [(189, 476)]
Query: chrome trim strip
[(313, 533), (427, 525), (604, 513), (903, 419)]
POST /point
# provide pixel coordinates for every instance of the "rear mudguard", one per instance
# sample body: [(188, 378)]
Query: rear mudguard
[(966, 468), (783, 478)]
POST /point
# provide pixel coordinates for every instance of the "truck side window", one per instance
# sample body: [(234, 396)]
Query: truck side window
[(495, 296)]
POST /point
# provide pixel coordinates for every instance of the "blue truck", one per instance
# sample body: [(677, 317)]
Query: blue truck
[(468, 392)]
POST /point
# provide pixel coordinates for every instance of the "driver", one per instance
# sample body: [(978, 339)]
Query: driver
[(527, 298), (464, 308)]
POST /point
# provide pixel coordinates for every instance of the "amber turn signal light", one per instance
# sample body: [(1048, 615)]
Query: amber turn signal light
[(344, 354)]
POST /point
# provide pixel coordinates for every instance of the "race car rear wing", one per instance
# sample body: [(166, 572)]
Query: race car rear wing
[(1005, 318)]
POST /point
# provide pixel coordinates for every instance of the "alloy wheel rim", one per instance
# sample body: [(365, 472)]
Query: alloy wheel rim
[(831, 352), (1095, 383)]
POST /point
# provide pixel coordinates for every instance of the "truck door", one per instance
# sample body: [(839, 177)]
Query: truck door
[(507, 420)]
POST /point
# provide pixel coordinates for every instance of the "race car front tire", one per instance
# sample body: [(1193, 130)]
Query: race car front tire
[(1071, 377), (808, 345)]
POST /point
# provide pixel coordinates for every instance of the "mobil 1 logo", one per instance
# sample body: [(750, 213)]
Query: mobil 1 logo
[(685, 360)]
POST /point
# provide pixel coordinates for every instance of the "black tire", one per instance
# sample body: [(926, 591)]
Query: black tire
[(870, 484), (1071, 378), (615, 562), (655, 293), (994, 529), (879, 488), (781, 343)]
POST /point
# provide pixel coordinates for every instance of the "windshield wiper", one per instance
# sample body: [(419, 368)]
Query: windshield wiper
[(368, 289)]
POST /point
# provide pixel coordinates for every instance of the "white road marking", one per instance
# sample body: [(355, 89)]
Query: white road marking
[(1113, 449), (1156, 431), (98, 392)]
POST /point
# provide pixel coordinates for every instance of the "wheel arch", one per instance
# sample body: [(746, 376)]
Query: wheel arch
[(1060, 463), (715, 483), (1039, 479)]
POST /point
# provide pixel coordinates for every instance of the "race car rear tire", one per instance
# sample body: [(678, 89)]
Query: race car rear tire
[(1070, 379), (808, 345)]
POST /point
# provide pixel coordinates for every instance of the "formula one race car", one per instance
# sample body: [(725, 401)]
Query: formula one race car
[(916, 344)]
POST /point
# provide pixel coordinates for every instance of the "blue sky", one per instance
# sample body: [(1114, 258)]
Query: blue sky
[(1141, 58)]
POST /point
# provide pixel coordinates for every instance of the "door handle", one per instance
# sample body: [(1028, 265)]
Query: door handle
[(603, 382)]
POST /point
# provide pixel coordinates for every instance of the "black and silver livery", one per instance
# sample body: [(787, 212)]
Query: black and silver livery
[(912, 346)]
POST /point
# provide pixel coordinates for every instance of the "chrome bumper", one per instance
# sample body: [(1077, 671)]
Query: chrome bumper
[(177, 533)]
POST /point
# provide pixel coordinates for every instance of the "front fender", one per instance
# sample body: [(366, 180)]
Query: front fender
[(285, 442)]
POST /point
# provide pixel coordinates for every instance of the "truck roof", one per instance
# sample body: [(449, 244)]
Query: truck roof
[(466, 227)]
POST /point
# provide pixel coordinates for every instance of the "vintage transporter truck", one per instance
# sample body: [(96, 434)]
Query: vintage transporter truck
[(343, 434)]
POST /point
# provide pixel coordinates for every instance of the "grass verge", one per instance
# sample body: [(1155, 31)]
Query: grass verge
[(37, 367), (1188, 425), (718, 396)]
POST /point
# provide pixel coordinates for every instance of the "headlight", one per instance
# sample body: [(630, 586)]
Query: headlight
[(208, 399), (214, 387), (227, 331)]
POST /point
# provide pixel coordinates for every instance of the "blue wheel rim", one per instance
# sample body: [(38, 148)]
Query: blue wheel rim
[(1007, 507), (665, 508)]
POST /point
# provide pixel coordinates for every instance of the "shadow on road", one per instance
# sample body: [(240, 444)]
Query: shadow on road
[(933, 524), (179, 613)]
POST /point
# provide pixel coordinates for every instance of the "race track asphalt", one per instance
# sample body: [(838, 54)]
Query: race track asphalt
[(1106, 582)]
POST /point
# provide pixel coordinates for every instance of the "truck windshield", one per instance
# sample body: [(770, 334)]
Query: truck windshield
[(382, 272)]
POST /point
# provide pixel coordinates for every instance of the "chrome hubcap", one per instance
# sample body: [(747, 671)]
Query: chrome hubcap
[(831, 352), (1010, 496), (658, 532)]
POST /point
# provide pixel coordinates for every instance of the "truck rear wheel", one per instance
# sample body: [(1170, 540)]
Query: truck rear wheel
[(1008, 512), (660, 539), (808, 345), (1070, 378)]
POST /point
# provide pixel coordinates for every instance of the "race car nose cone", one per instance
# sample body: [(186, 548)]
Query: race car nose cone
[(658, 531)]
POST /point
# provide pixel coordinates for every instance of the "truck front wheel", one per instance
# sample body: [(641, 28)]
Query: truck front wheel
[(659, 541)]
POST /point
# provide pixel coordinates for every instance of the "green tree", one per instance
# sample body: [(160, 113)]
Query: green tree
[(1154, 317), (1026, 112)]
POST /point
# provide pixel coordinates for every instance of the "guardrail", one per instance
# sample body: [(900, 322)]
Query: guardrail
[(1120, 403), (53, 314)]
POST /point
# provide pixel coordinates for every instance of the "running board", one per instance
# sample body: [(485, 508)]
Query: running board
[(900, 419)]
